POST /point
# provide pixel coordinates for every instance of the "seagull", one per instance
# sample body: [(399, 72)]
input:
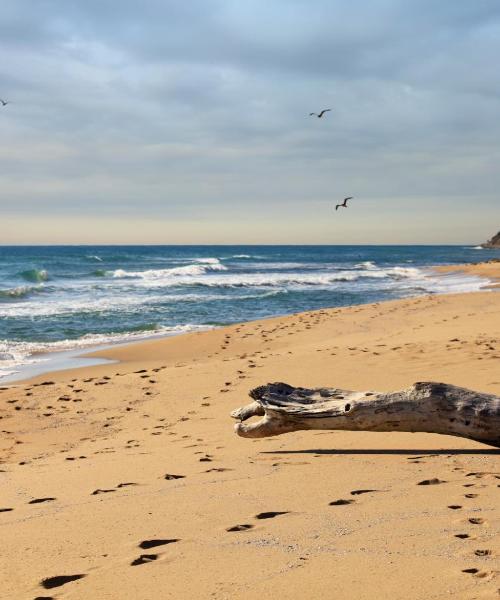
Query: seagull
[(321, 113), (344, 203), (4, 102)]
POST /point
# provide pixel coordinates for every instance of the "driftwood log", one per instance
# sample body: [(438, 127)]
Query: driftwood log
[(426, 406)]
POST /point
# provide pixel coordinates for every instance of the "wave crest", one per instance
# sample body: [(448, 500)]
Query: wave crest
[(34, 275), (196, 275), (19, 292), (155, 274)]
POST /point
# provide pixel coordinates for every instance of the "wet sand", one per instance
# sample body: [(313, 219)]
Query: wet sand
[(488, 269), (126, 481)]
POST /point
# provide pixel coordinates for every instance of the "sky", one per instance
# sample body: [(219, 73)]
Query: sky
[(176, 122)]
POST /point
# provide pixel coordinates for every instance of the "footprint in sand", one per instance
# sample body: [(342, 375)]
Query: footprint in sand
[(477, 572), (217, 470), (341, 502), (472, 571), (6, 509), (39, 500), (454, 506), (462, 536), (53, 582), (121, 485), (270, 514), (358, 492), (170, 476), (99, 491), (476, 521), (144, 559), (481, 474), (243, 527), (147, 544), (434, 481), (483, 552)]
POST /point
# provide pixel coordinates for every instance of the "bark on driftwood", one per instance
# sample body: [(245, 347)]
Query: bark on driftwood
[(427, 406)]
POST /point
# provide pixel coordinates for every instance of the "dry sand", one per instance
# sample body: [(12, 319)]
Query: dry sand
[(130, 476)]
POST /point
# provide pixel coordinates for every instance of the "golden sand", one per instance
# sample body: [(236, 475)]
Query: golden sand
[(130, 474)]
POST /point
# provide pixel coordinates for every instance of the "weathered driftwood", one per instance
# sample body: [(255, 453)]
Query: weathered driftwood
[(426, 406)]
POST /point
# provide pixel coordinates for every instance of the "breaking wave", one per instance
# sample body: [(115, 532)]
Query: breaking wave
[(208, 264), (367, 264), (34, 275), (18, 293), (201, 275), (208, 261)]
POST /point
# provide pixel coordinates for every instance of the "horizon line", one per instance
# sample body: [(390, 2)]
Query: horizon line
[(45, 245)]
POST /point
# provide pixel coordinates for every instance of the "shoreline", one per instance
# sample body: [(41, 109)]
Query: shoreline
[(490, 271), (53, 362), (101, 462), (487, 269)]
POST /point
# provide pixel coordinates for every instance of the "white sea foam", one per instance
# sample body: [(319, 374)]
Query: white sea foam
[(367, 264), (207, 275), (208, 261), (174, 272), (132, 291), (83, 305), (19, 292), (15, 355), (125, 302), (244, 256), (231, 280), (453, 283), (282, 266)]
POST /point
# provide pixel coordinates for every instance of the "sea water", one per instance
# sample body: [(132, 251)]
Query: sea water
[(64, 298)]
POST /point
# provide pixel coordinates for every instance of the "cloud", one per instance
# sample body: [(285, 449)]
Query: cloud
[(202, 108)]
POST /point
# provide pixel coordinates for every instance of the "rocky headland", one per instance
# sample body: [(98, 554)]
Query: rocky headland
[(493, 243)]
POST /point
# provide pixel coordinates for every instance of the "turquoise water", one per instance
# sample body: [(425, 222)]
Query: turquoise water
[(54, 298)]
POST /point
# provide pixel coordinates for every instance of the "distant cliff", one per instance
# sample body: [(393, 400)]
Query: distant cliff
[(493, 243)]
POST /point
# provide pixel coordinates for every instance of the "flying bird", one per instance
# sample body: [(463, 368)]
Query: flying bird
[(344, 203), (4, 102), (319, 115)]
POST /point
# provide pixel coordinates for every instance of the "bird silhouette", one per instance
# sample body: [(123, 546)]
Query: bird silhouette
[(319, 115), (4, 102), (344, 203)]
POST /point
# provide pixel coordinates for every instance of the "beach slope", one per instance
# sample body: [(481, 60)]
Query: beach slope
[(127, 480)]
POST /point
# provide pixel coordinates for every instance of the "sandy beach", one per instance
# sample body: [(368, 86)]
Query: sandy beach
[(127, 481)]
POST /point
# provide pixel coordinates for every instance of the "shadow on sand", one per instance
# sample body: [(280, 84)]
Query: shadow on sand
[(396, 451)]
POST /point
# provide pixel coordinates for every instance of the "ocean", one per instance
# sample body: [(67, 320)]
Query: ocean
[(62, 298)]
